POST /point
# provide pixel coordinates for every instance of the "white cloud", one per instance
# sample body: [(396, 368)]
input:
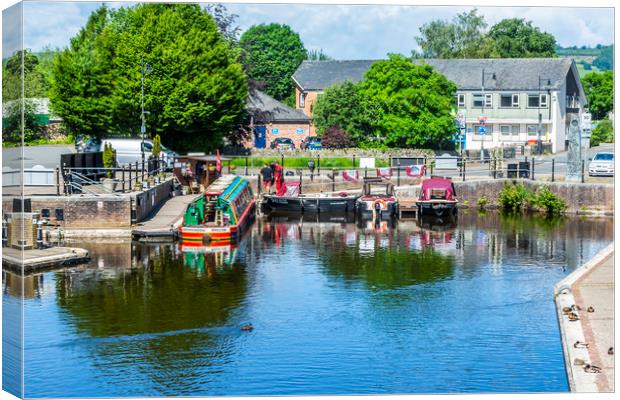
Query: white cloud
[(342, 31)]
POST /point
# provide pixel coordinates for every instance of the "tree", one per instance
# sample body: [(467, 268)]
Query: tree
[(603, 132), (35, 84), (271, 54), (464, 37), (411, 103), (195, 91), (336, 138), (318, 55), (517, 38), (599, 90), (605, 60), (225, 21), (341, 105), (12, 122)]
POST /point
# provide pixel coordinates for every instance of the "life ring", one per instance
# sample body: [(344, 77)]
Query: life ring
[(381, 202)]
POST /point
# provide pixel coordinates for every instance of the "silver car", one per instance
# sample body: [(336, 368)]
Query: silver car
[(602, 164)]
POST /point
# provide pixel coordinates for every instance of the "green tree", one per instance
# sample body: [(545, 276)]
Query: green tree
[(464, 37), (12, 122), (599, 89), (35, 84), (271, 54), (411, 104), (341, 105), (603, 132), (605, 60), (195, 92), (318, 55), (517, 38)]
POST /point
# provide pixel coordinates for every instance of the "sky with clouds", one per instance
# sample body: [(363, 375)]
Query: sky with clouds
[(342, 31)]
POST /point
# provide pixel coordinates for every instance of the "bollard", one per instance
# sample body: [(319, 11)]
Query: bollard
[(553, 170), (533, 164), (39, 234), (246, 166), (463, 168), (365, 172), (57, 181), (398, 174), (333, 180), (258, 184), (318, 164), (583, 170), (5, 232)]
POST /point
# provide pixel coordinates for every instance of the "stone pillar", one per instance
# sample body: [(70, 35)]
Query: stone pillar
[(573, 157)]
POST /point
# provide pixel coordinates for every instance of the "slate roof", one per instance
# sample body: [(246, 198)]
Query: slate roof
[(265, 108), (510, 73)]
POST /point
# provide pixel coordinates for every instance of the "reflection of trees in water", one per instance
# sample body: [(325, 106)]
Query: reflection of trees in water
[(382, 260), (159, 297)]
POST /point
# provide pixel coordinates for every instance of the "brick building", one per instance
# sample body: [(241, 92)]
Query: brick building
[(271, 119)]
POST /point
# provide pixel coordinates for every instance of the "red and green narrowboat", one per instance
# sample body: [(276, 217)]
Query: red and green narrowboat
[(220, 214)]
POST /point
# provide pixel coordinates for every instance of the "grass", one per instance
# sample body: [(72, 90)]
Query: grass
[(302, 162), (39, 142)]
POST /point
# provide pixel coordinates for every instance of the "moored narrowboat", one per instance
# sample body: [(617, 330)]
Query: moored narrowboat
[(437, 197), (220, 214)]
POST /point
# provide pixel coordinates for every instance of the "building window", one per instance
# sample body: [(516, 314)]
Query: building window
[(302, 100), (515, 100), (488, 100), (478, 100), (460, 100), (509, 101), (533, 101), (543, 100), (504, 130), (507, 131), (532, 130)]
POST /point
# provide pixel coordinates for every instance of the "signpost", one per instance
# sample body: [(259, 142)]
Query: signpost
[(482, 131), (586, 130)]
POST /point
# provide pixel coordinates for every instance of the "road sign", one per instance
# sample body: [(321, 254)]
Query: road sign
[(586, 121), (482, 130), (482, 120)]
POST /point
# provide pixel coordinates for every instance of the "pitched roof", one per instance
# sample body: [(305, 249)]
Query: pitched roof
[(265, 108), (510, 73)]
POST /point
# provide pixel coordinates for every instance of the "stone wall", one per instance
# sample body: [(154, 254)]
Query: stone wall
[(145, 202)]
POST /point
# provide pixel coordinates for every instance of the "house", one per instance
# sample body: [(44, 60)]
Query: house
[(514, 99), (271, 119)]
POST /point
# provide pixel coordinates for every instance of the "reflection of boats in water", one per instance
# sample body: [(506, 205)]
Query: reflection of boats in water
[(437, 223), (437, 197), (338, 217), (378, 203), (203, 257), (220, 213)]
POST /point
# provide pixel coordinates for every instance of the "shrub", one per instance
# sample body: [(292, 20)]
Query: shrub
[(602, 133), (336, 138), (482, 202), (156, 146), (514, 197), (547, 201), (109, 158)]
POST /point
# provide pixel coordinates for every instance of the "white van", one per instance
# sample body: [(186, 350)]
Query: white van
[(128, 151)]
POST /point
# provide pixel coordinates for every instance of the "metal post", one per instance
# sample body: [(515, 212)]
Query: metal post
[(365, 172), (518, 170), (300, 181), (39, 234), (129, 165), (398, 173), (137, 171), (333, 180), (318, 164), (353, 160), (57, 181), (463, 170), (282, 161), (553, 170), (583, 170), (64, 178), (5, 232), (495, 167), (246, 166), (258, 184), (123, 179), (431, 168), (533, 165)]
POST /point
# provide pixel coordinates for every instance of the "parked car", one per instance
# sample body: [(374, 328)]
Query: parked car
[(283, 144), (311, 143), (602, 164), (129, 150)]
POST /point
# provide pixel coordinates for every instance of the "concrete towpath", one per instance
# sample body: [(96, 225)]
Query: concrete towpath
[(164, 221), (588, 335), (40, 259)]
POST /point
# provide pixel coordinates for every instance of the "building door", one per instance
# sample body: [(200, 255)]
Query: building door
[(260, 137)]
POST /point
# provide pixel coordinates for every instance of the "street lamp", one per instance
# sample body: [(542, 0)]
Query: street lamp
[(146, 68), (540, 79), (482, 120)]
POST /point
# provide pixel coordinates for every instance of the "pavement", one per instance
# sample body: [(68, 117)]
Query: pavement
[(37, 259), (165, 220), (588, 338)]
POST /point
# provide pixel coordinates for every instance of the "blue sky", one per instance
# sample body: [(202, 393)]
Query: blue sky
[(342, 31)]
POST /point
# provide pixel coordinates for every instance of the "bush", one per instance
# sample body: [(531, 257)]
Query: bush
[(482, 202), (109, 159), (547, 201), (514, 197), (602, 133), (336, 138), (156, 146)]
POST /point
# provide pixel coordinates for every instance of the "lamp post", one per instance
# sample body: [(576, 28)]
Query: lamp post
[(482, 119), (539, 141), (145, 67)]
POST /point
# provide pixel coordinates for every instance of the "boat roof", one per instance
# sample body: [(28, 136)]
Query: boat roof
[(436, 182), (202, 158), (220, 184)]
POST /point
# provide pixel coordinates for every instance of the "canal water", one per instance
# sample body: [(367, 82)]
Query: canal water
[(337, 307)]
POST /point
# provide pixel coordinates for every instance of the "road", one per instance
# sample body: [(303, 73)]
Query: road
[(47, 156)]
